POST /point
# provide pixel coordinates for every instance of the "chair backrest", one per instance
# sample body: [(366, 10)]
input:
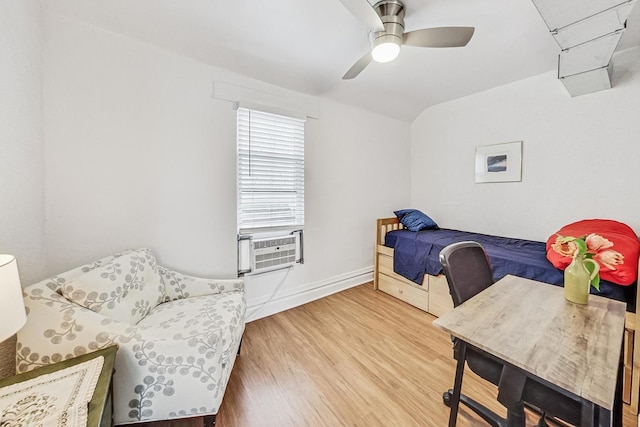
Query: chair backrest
[(467, 269)]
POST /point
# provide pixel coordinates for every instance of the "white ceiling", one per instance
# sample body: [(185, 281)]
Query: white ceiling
[(308, 45)]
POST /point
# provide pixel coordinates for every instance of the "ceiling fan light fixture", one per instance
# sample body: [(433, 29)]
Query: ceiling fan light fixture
[(386, 48), (385, 20)]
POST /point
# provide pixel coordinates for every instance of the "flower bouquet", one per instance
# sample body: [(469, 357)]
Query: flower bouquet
[(593, 247)]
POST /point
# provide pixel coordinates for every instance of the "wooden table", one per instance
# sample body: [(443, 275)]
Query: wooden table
[(531, 326)]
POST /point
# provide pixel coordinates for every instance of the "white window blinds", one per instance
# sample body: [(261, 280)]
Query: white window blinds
[(270, 171)]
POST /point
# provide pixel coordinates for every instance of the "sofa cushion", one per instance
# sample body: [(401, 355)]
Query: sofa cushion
[(56, 282), (124, 289), (205, 322)]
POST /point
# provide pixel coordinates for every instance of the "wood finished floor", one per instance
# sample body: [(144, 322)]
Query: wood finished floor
[(356, 358)]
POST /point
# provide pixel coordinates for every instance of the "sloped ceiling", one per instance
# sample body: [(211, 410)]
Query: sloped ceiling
[(307, 45)]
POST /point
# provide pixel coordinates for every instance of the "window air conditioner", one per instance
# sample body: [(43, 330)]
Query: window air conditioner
[(262, 254)]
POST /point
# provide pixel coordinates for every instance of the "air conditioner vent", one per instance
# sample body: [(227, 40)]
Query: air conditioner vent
[(276, 252), (269, 253)]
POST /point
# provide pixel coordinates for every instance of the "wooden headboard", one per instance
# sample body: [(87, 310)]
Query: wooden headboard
[(385, 225)]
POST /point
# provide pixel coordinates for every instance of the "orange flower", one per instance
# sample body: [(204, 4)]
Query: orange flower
[(596, 243), (565, 247), (609, 258)]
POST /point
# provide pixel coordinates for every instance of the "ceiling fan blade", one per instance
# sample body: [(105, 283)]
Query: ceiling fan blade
[(362, 10), (439, 37), (358, 66)]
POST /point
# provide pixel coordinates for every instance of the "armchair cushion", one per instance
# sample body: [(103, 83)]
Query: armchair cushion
[(124, 289)]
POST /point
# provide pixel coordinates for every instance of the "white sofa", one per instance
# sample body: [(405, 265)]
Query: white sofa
[(178, 335)]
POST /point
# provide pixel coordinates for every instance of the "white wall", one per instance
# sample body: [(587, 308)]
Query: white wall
[(580, 156), (139, 154), (21, 143)]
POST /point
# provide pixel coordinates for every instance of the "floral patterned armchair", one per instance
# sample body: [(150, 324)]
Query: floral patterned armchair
[(178, 335)]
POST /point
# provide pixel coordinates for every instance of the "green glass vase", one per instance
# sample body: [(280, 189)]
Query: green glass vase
[(577, 280)]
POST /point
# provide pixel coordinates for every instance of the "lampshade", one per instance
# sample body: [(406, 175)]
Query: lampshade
[(11, 302)]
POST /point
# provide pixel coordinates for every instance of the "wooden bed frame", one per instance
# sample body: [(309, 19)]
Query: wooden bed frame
[(433, 297)]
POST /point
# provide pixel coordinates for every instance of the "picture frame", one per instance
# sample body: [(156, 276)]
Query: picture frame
[(499, 162)]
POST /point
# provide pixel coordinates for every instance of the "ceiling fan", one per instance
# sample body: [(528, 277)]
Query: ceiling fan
[(385, 21)]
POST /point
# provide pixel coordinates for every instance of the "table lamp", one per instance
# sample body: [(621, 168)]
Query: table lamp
[(13, 313)]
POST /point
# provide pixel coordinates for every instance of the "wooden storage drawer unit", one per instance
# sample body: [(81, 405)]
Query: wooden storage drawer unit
[(440, 301), (437, 288), (385, 265), (411, 294)]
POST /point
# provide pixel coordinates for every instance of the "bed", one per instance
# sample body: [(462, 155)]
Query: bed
[(422, 285), (416, 254)]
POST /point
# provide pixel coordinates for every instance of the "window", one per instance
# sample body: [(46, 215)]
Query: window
[(270, 171)]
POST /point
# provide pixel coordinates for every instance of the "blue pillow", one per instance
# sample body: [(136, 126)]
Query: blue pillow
[(414, 220)]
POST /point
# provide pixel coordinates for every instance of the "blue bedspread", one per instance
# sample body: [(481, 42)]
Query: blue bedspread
[(416, 254)]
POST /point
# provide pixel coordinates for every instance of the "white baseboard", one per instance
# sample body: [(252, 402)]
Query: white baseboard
[(307, 293)]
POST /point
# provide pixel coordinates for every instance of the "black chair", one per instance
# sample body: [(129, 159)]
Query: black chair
[(468, 272)]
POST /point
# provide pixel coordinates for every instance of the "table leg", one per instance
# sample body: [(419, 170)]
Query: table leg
[(457, 384), (588, 414), (613, 418), (605, 418), (510, 389)]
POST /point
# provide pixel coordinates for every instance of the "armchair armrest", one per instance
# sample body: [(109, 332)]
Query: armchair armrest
[(179, 285)]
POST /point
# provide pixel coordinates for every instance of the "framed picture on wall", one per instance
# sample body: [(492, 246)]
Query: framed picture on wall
[(499, 162)]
